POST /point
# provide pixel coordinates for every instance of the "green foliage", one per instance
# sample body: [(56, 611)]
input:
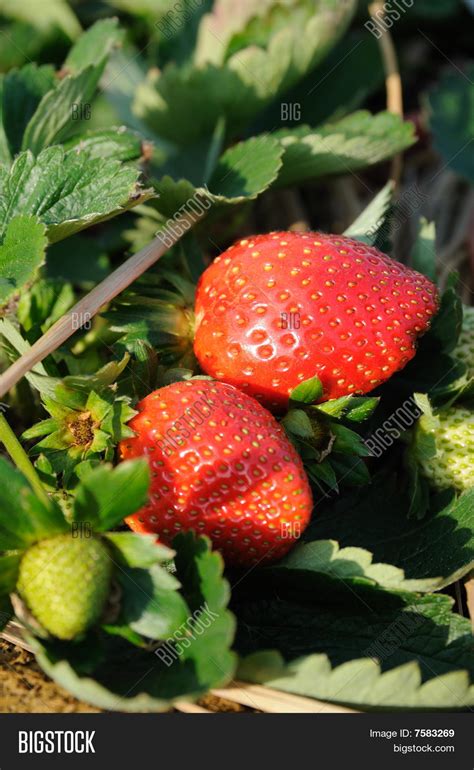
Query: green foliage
[(238, 77), (106, 495), (451, 105), (307, 392), (331, 451), (423, 256), (87, 420), (441, 545), (25, 519), (359, 683), (67, 191), (241, 173), (373, 219), (188, 611), (395, 629), (341, 83), (38, 107), (22, 253), (349, 615), (46, 301), (54, 14), (320, 561), (94, 46), (352, 143)]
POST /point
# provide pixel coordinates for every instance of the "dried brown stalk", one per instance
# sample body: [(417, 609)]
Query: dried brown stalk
[(393, 81), (89, 305)]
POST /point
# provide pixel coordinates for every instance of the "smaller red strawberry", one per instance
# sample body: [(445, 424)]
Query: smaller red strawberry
[(275, 310), (221, 465)]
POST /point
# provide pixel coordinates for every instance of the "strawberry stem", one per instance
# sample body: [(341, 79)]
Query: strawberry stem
[(21, 459)]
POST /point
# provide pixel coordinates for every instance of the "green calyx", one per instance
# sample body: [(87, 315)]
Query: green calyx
[(333, 453), (443, 445), (64, 582), (87, 420), (157, 313)]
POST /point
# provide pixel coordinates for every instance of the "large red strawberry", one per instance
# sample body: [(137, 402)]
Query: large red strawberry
[(221, 465), (275, 310)]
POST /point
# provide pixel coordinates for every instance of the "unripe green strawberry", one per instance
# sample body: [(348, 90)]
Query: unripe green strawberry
[(65, 582), (444, 445), (464, 350)]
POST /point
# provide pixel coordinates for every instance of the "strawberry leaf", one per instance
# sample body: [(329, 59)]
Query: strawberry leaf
[(423, 255), (53, 118), (297, 424), (322, 473), (360, 408), (395, 629), (94, 45), (240, 81), (441, 545), (105, 376), (349, 468), (339, 85), (107, 495), (9, 566), (246, 169), (67, 191), (199, 571), (257, 24), (25, 518), (22, 92), (13, 345), (117, 143), (320, 562), (357, 141), (229, 23), (45, 302), (447, 323), (133, 550), (5, 157), (38, 107), (242, 173), (360, 683), (151, 604), (55, 14), (21, 255), (348, 441), (368, 224)]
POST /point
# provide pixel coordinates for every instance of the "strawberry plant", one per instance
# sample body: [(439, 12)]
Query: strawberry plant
[(91, 598), (236, 381)]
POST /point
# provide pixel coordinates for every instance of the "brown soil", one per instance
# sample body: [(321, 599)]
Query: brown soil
[(219, 705), (25, 689)]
